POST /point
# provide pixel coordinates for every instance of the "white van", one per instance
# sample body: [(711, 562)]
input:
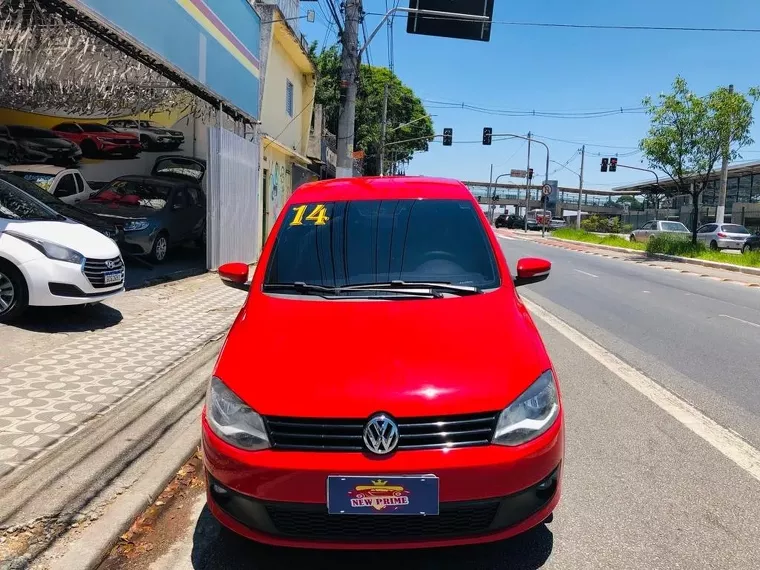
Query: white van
[(49, 260)]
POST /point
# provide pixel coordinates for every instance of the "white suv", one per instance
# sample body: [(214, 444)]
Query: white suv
[(49, 260)]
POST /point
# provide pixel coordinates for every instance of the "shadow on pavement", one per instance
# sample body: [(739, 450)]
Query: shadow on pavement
[(180, 263), (218, 549), (77, 318)]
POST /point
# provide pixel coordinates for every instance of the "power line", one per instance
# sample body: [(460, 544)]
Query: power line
[(435, 104), (597, 26), (588, 144)]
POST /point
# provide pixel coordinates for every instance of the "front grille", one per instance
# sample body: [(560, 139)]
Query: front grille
[(414, 433), (315, 524), (95, 270)]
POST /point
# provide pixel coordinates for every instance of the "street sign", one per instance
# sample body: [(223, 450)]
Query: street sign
[(451, 27), (518, 173), (546, 190)]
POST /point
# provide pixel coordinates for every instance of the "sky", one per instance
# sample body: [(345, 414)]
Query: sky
[(572, 71)]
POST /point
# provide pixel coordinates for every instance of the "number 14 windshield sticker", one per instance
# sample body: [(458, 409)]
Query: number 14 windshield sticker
[(318, 215)]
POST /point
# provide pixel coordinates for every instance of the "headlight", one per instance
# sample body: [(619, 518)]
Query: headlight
[(531, 414), (136, 225), (51, 250), (232, 420)]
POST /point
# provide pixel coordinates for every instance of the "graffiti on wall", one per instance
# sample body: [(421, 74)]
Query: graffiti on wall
[(278, 183)]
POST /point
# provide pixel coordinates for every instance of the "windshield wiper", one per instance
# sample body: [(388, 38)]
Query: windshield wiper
[(308, 288), (434, 285)]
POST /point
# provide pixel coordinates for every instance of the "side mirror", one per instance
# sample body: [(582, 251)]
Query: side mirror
[(532, 270), (235, 275)]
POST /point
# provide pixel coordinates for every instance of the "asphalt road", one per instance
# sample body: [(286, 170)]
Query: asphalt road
[(642, 487), (698, 337)]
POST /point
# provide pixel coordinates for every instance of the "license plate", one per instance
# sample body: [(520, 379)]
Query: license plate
[(379, 495), (112, 277)]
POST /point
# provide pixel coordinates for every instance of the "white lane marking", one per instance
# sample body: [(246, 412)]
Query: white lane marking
[(741, 321), (724, 440), (646, 291), (586, 273)]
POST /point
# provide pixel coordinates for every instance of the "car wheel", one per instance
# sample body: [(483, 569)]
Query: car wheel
[(201, 241), (714, 245), (160, 248), (14, 295), (746, 248), (145, 142), (89, 149), (12, 155), (632, 238)]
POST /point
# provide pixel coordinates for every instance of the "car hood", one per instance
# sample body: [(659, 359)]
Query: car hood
[(52, 143), (332, 359), (71, 234), (82, 216), (115, 212)]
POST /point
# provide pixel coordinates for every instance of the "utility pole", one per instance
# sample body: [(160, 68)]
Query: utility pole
[(348, 79), (489, 196), (580, 190), (720, 213), (527, 189), (382, 136)]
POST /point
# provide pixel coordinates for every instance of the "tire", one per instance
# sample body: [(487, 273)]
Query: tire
[(632, 238), (145, 142), (746, 249), (201, 241), (89, 149), (14, 294), (160, 248), (714, 245)]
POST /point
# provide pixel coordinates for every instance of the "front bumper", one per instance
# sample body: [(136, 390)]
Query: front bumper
[(121, 148), (487, 493), (54, 283), (139, 242)]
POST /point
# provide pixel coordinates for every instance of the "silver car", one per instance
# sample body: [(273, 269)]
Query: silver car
[(723, 236), (659, 227)]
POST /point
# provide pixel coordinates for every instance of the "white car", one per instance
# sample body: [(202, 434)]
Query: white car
[(64, 183), (48, 260), (659, 227), (723, 236)]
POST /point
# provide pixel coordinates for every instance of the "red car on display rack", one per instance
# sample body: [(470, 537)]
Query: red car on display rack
[(353, 406), (99, 140)]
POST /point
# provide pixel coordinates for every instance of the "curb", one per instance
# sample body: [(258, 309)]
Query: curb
[(96, 541)]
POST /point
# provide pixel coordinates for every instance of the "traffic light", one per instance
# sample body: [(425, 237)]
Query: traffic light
[(613, 165), (487, 135), (530, 174), (604, 164), (448, 135)]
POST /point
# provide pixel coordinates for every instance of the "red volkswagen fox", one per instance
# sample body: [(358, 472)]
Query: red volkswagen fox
[(352, 405)]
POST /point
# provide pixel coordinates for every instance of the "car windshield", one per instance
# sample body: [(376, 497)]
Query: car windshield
[(93, 128), (135, 193), (735, 229), (44, 181), (17, 205), (150, 125), (336, 244), (674, 227), (31, 187)]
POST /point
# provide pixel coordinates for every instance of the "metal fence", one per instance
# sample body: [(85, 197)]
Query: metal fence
[(232, 191)]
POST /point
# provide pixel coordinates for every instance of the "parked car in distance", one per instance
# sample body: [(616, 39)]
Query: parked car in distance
[(44, 146), (49, 260), (97, 223), (154, 213), (152, 135), (9, 148), (659, 227), (98, 140), (557, 223), (461, 449), (752, 243), (509, 221), (68, 184), (723, 236)]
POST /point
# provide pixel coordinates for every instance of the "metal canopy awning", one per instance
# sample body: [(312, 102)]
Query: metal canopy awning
[(99, 27)]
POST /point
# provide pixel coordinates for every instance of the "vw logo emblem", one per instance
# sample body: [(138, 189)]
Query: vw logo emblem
[(110, 264), (381, 434)]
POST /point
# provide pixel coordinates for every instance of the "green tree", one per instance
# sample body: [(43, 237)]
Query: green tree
[(403, 107), (687, 134)]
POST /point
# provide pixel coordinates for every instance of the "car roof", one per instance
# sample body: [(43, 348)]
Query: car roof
[(376, 187), (41, 168)]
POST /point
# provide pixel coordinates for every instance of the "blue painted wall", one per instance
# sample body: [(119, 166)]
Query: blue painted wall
[(167, 29)]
